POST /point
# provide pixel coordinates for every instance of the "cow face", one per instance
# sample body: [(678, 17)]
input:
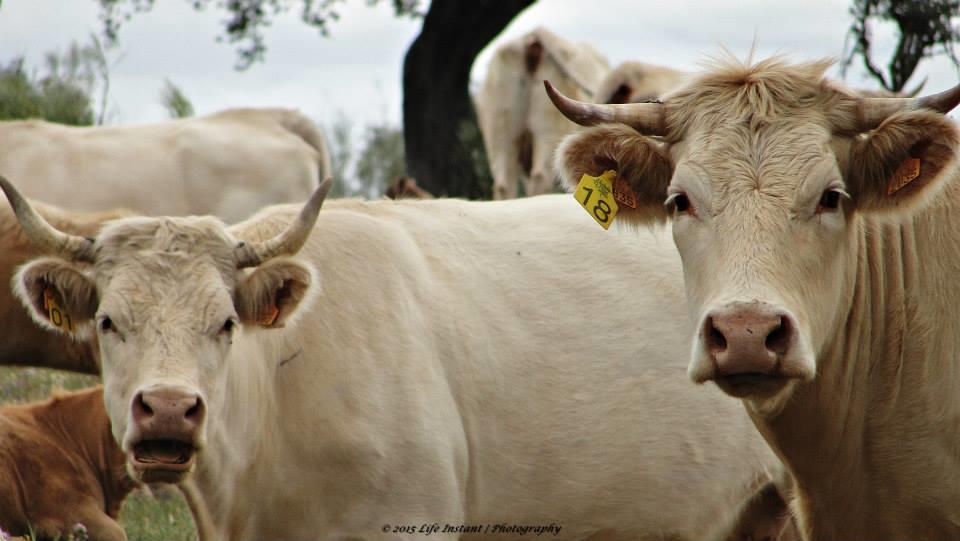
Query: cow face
[(165, 299), (763, 170)]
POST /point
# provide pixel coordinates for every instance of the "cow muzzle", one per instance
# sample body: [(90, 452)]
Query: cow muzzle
[(751, 349), (166, 433)]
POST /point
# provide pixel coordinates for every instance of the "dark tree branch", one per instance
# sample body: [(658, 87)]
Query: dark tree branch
[(926, 28), (440, 128)]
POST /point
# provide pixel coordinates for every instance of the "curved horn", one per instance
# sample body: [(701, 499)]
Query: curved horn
[(647, 118), (872, 111), (44, 236), (942, 102), (291, 239)]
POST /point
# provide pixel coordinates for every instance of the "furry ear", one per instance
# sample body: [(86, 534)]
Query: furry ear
[(899, 165), (643, 162), (57, 294), (271, 293)]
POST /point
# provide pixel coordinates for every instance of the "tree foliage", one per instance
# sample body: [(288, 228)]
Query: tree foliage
[(175, 101), (926, 28), (63, 92), (246, 19), (382, 160)]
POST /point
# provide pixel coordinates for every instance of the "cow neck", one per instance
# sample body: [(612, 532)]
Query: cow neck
[(891, 366), (241, 436)]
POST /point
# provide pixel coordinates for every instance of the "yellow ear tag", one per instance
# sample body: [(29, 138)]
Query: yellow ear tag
[(57, 315), (905, 174), (270, 318), (595, 195)]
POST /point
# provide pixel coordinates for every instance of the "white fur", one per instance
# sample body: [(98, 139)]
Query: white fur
[(464, 363)]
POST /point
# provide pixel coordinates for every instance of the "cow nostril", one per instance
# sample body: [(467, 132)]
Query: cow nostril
[(778, 341), (195, 413), (144, 406), (716, 341)]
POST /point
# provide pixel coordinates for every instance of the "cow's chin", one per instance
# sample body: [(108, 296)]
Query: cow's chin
[(754, 386), (161, 460)]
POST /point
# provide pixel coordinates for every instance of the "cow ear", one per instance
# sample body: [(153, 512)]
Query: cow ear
[(641, 161), (270, 295), (898, 166), (58, 295)]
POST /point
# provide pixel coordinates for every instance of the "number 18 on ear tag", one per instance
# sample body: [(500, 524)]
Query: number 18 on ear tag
[(595, 195)]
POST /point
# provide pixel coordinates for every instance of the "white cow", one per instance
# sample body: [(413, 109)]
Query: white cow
[(520, 127), (228, 164), (637, 82), (820, 237), (413, 363)]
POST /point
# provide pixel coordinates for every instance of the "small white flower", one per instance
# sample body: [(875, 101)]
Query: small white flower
[(79, 533)]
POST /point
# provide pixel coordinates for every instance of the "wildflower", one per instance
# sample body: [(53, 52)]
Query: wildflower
[(79, 533)]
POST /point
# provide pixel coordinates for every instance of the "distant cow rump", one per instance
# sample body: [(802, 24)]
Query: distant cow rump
[(228, 164), (520, 127)]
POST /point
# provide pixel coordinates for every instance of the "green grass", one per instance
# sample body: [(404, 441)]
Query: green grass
[(162, 516)]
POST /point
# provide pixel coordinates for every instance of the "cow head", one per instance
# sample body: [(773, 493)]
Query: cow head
[(762, 170), (164, 299)]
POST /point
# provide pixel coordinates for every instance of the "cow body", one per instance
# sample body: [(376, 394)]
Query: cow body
[(60, 467), (520, 127), (228, 164), (430, 376), (818, 233)]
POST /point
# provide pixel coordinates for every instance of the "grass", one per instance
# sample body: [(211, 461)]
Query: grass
[(160, 516)]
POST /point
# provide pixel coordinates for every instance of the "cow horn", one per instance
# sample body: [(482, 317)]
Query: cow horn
[(647, 118), (44, 236), (873, 111), (291, 239)]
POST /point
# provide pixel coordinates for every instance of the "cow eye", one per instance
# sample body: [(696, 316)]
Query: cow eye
[(228, 326), (106, 324), (830, 200), (680, 203)]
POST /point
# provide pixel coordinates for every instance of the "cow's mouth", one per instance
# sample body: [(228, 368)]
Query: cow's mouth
[(752, 384), (162, 460)]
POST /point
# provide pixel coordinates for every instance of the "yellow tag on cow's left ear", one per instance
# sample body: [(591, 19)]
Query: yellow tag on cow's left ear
[(270, 317), (595, 195), (908, 171), (56, 314)]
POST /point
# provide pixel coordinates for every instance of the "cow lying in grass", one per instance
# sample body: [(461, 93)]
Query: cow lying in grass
[(60, 466)]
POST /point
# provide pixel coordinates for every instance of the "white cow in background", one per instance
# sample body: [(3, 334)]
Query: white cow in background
[(228, 164), (520, 126), (637, 82), (399, 364)]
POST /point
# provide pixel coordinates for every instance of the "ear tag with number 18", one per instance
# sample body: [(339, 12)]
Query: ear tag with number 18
[(595, 195)]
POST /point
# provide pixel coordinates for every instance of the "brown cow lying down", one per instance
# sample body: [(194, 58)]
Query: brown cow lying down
[(59, 466)]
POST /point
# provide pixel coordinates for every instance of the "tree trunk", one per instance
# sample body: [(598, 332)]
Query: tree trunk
[(441, 137)]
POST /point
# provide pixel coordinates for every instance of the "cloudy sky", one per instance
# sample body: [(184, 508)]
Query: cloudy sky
[(356, 71)]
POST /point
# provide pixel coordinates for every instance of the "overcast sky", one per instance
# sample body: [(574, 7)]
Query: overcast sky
[(357, 70)]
